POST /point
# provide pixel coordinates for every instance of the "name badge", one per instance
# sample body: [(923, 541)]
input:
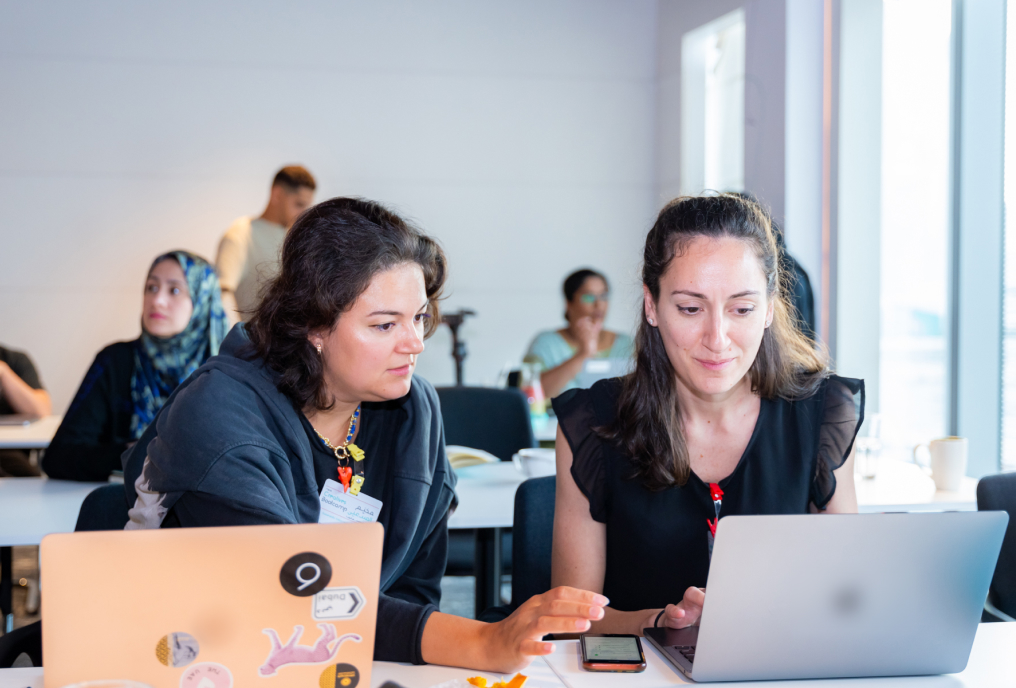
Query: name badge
[(344, 507)]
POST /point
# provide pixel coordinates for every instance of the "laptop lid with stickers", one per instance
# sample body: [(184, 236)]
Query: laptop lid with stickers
[(252, 606)]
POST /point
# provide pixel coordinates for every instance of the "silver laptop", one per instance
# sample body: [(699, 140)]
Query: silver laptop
[(829, 596), (596, 369)]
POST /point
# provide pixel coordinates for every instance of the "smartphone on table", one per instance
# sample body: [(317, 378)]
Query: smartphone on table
[(612, 652)]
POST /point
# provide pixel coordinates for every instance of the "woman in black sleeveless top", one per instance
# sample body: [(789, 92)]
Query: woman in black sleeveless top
[(730, 410)]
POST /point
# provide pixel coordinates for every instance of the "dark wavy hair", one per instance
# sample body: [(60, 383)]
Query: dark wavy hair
[(574, 282), (788, 365), (329, 257)]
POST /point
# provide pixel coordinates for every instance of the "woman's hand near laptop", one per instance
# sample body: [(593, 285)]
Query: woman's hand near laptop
[(681, 615), (511, 644)]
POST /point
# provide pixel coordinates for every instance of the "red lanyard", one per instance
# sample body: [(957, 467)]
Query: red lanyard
[(717, 494)]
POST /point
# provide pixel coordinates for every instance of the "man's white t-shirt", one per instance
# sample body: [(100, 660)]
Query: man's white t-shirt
[(248, 258)]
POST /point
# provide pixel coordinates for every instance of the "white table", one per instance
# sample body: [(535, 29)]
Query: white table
[(903, 486), (35, 435), (992, 664), (30, 509)]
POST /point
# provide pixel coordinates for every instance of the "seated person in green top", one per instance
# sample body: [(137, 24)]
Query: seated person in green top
[(731, 410), (563, 353), (182, 324), (21, 392)]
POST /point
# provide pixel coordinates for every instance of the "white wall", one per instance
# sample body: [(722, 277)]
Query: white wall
[(521, 135), (859, 282), (804, 84), (763, 98)]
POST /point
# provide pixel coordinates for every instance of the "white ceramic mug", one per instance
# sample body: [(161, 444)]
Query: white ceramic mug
[(948, 461)]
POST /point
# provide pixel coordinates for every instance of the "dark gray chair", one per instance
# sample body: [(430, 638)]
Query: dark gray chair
[(998, 493), (25, 640), (494, 420), (532, 544), (105, 508)]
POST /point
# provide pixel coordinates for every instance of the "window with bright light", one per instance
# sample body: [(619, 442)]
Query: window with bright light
[(915, 223), (1009, 266), (712, 106)]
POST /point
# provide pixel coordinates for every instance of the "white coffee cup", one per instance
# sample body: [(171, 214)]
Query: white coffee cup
[(535, 463), (948, 461)]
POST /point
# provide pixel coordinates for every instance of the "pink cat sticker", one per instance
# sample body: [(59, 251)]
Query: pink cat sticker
[(321, 651)]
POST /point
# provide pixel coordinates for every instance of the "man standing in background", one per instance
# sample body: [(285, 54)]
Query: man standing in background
[(249, 251)]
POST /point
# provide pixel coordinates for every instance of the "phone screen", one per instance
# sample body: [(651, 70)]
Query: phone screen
[(600, 649)]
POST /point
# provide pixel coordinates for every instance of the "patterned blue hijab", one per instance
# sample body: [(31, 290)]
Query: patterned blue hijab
[(161, 364)]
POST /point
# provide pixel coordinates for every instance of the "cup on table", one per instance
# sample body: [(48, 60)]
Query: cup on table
[(535, 463), (947, 460)]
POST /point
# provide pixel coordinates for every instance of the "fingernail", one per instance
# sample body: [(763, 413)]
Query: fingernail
[(600, 601), (548, 647), (596, 613), (581, 624)]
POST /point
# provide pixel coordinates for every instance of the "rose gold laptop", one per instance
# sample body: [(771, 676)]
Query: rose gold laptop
[(251, 606)]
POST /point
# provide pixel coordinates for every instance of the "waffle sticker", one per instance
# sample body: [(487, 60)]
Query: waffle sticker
[(177, 650), (207, 675), (323, 650), (339, 676)]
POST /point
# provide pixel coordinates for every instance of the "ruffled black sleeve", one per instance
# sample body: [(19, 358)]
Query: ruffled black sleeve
[(578, 412), (842, 415)]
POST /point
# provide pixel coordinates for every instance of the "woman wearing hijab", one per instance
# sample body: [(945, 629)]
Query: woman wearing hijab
[(182, 325)]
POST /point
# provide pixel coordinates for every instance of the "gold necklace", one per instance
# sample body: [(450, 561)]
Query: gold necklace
[(347, 450)]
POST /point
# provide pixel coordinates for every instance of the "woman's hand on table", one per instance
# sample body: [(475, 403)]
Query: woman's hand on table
[(685, 613), (515, 641)]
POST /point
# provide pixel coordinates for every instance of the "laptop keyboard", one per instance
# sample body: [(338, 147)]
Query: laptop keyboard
[(687, 651)]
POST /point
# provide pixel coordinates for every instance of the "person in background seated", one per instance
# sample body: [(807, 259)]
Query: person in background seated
[(249, 251), (730, 410), (562, 354), (21, 393), (182, 325), (319, 385)]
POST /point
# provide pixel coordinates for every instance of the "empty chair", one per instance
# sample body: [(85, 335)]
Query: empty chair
[(494, 420), (532, 544), (998, 493)]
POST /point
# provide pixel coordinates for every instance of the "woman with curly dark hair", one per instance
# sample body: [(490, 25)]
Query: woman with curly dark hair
[(730, 410), (318, 385)]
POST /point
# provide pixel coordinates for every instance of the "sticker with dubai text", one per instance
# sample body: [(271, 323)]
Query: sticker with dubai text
[(206, 675)]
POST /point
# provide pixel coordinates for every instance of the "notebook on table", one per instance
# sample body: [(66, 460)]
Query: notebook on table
[(270, 606)]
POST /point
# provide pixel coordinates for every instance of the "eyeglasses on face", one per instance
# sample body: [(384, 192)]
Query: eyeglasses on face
[(593, 298)]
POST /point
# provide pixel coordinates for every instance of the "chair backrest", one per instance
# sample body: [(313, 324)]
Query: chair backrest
[(532, 538), (494, 420), (105, 508), (998, 493), (25, 640)]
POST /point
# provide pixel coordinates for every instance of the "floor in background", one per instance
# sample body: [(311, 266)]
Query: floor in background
[(26, 567), (458, 595)]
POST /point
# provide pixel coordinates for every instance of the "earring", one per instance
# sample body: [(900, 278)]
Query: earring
[(319, 349), (650, 321)]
